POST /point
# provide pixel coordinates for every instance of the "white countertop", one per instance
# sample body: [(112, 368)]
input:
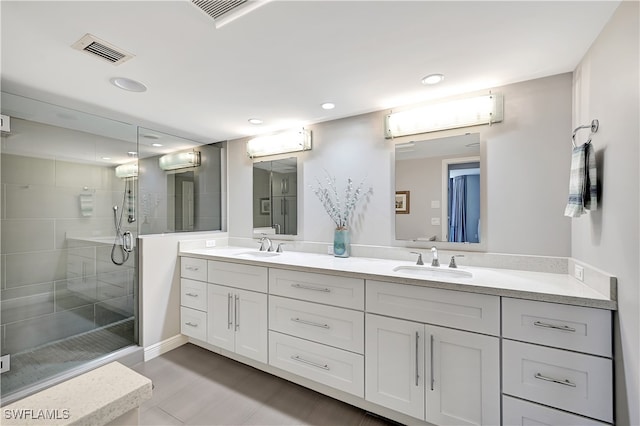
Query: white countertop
[(541, 286)]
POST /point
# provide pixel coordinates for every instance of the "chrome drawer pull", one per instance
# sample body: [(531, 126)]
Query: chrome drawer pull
[(190, 324), (311, 363), (565, 382), (315, 324), (229, 319), (310, 287), (192, 268), (192, 294), (555, 327)]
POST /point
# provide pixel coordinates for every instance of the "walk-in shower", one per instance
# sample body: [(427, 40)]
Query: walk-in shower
[(69, 288)]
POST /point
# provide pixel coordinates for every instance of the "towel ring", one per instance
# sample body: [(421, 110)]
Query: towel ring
[(593, 126)]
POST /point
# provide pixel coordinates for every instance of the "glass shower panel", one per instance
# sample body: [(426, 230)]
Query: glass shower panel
[(68, 288)]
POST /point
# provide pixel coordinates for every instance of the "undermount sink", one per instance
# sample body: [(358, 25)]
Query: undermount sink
[(259, 254), (433, 272)]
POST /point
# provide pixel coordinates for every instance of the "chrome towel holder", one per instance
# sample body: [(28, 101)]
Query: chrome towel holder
[(593, 126)]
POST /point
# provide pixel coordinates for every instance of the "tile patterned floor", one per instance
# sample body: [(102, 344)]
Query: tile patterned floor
[(193, 386)]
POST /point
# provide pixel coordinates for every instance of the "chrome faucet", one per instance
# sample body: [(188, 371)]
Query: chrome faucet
[(419, 261), (434, 254), (452, 263), (269, 245)]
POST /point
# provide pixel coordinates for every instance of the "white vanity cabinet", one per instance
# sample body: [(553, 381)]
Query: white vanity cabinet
[(558, 356), (438, 374), (193, 297)]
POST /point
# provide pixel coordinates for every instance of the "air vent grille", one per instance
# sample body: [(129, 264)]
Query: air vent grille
[(217, 8), (102, 49)]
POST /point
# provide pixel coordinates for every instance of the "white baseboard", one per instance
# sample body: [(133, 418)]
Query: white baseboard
[(157, 349)]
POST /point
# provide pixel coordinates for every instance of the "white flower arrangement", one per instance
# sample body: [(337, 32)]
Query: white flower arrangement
[(339, 211)]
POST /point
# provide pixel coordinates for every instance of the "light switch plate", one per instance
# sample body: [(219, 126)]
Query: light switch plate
[(435, 204), (210, 243), (435, 221)]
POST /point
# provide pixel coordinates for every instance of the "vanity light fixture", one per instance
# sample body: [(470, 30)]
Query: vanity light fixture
[(472, 111), (180, 160), (432, 79), (128, 170), (279, 143)]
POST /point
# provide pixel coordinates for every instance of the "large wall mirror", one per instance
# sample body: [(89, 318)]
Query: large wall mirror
[(438, 195), (275, 197)]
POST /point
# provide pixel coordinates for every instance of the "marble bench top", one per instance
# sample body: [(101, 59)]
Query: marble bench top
[(93, 398)]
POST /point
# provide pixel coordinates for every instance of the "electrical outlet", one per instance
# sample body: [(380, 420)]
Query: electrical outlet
[(578, 272), (329, 249), (210, 243), (435, 221)]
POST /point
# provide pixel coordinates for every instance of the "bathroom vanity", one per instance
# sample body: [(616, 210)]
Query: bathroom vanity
[(414, 345)]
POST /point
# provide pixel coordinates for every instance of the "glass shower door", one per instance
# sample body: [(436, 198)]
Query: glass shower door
[(69, 282)]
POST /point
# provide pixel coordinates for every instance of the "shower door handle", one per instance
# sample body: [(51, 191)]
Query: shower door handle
[(127, 242)]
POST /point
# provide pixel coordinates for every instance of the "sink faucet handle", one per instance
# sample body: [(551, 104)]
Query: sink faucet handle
[(434, 253), (452, 263), (419, 261), (264, 239), (279, 249)]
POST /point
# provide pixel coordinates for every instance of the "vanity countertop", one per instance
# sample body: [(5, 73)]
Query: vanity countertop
[(540, 286)]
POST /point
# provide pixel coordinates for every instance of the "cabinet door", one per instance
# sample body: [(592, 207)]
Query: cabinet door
[(250, 323), (463, 377), (220, 330), (394, 364)]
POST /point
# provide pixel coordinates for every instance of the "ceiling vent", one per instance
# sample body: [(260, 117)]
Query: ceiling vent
[(102, 49), (225, 11)]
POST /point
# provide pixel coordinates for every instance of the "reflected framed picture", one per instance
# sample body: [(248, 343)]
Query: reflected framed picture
[(402, 202), (265, 206)]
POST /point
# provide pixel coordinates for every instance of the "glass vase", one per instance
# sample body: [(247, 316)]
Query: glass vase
[(341, 242)]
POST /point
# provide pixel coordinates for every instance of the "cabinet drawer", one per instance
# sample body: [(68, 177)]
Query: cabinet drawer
[(339, 327), (192, 268), (193, 323), (570, 381), (456, 309), (563, 326), (331, 290), (516, 412), (193, 294), (330, 366), (247, 277)]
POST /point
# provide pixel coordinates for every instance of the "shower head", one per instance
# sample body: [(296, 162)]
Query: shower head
[(115, 208)]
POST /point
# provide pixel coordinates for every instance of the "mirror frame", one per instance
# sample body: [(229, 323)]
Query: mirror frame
[(445, 245)]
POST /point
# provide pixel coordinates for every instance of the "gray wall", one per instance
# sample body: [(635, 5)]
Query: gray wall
[(527, 171), (606, 87)]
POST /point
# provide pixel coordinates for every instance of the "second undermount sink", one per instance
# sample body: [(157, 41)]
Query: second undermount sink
[(432, 272), (259, 254)]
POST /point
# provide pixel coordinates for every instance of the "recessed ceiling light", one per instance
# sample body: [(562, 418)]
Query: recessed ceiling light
[(128, 84), (328, 105), (255, 121), (150, 136), (156, 144), (432, 79), (106, 158)]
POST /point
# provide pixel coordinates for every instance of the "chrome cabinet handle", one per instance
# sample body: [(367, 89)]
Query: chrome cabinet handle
[(555, 327), (565, 382), (417, 354), (431, 363), (192, 268), (190, 324), (311, 363), (229, 319), (315, 324), (191, 294), (237, 312), (311, 287)]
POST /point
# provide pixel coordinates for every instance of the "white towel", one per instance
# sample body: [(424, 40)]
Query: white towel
[(86, 204), (583, 188)]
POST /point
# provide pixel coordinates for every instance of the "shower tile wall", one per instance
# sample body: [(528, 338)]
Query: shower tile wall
[(54, 282)]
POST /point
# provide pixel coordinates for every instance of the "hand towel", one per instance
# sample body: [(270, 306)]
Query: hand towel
[(583, 189)]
